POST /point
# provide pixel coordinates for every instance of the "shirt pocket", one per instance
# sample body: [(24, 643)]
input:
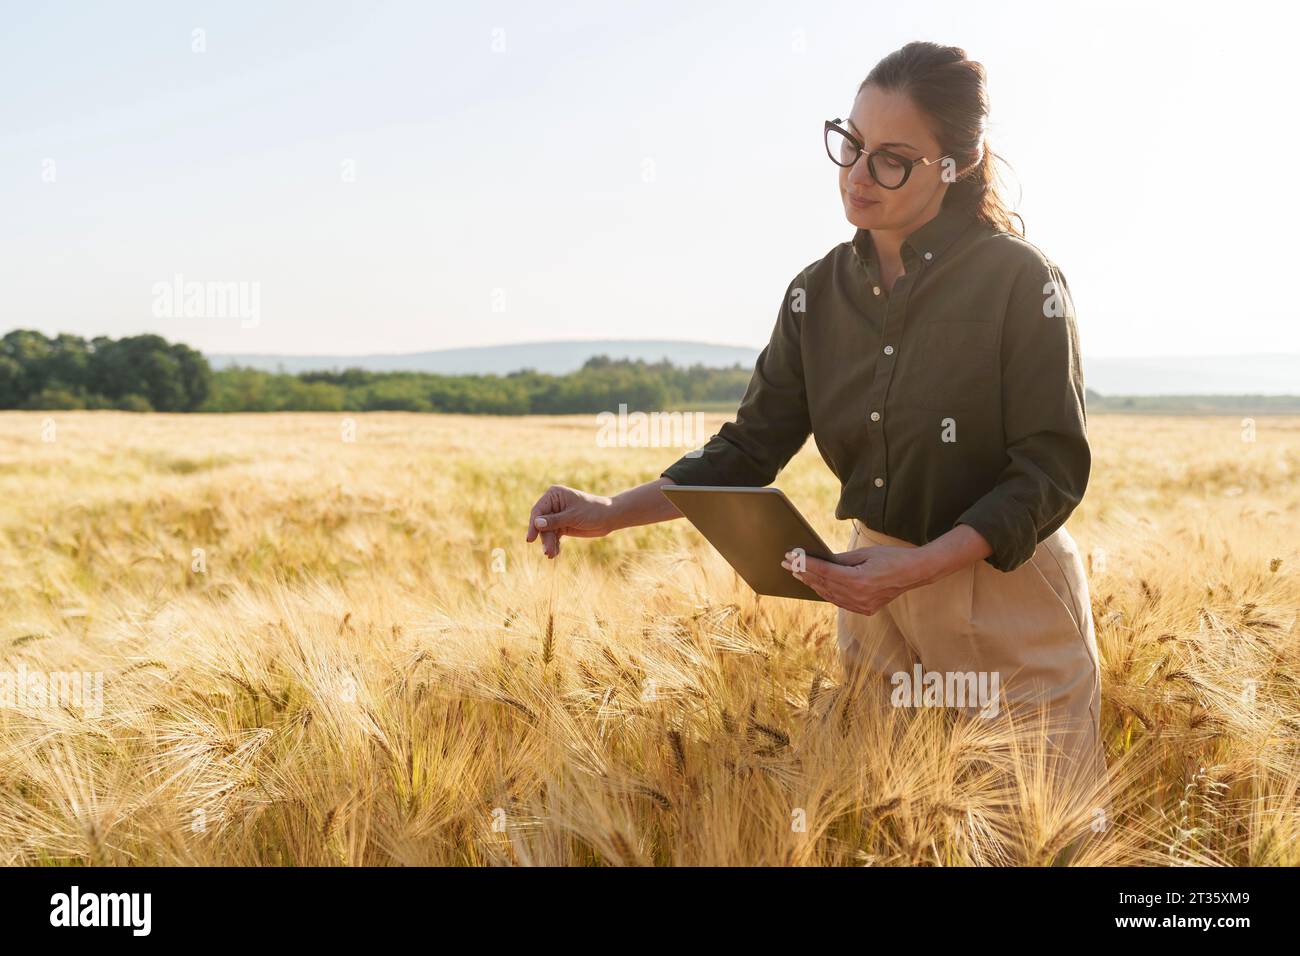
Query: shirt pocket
[(954, 367)]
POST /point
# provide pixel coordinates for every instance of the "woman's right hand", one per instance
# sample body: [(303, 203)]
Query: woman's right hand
[(560, 511)]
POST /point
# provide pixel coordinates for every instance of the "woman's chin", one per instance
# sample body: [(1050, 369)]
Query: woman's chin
[(864, 217)]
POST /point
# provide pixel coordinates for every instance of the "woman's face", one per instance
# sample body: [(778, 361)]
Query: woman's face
[(886, 119)]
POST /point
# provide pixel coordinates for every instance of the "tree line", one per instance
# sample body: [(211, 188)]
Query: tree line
[(137, 373), (147, 373)]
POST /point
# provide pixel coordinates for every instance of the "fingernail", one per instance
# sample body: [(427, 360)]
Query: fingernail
[(540, 522)]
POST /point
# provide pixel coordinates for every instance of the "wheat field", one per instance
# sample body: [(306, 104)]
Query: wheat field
[(321, 640)]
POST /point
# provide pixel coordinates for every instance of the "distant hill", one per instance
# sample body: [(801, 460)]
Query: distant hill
[(1260, 374), (556, 358)]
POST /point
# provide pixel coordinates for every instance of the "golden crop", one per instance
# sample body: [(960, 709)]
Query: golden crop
[(323, 641)]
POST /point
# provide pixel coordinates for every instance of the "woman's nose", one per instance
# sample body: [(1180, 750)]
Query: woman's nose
[(860, 173)]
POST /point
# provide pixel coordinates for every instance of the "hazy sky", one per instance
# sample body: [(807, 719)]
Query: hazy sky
[(410, 176)]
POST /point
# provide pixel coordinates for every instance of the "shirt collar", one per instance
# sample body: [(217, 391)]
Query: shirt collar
[(934, 237)]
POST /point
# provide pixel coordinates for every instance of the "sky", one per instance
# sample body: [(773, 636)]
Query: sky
[(399, 177)]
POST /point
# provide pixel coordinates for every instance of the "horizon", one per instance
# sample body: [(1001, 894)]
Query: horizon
[(703, 342), (1168, 375), (1260, 375)]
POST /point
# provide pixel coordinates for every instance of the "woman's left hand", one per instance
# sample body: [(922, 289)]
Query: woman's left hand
[(863, 580)]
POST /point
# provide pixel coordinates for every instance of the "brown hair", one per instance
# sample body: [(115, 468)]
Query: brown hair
[(950, 89)]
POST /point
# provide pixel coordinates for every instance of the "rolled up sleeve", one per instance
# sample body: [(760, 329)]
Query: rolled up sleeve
[(772, 422), (1048, 459)]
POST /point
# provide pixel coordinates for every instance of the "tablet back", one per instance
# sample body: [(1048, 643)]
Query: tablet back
[(752, 528)]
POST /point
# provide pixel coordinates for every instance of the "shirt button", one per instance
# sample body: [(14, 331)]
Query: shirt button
[(880, 482), (876, 289), (875, 416), (889, 350), (929, 255)]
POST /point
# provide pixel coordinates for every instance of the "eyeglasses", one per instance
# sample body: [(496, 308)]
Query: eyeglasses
[(888, 169)]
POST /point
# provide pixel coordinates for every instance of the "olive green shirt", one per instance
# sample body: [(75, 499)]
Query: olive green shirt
[(955, 398)]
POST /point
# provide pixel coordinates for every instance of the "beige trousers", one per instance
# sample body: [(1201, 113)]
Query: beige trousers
[(1031, 627)]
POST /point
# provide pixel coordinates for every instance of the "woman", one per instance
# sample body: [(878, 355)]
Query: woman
[(934, 359)]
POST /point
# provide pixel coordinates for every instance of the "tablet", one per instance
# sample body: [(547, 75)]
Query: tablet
[(752, 528)]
